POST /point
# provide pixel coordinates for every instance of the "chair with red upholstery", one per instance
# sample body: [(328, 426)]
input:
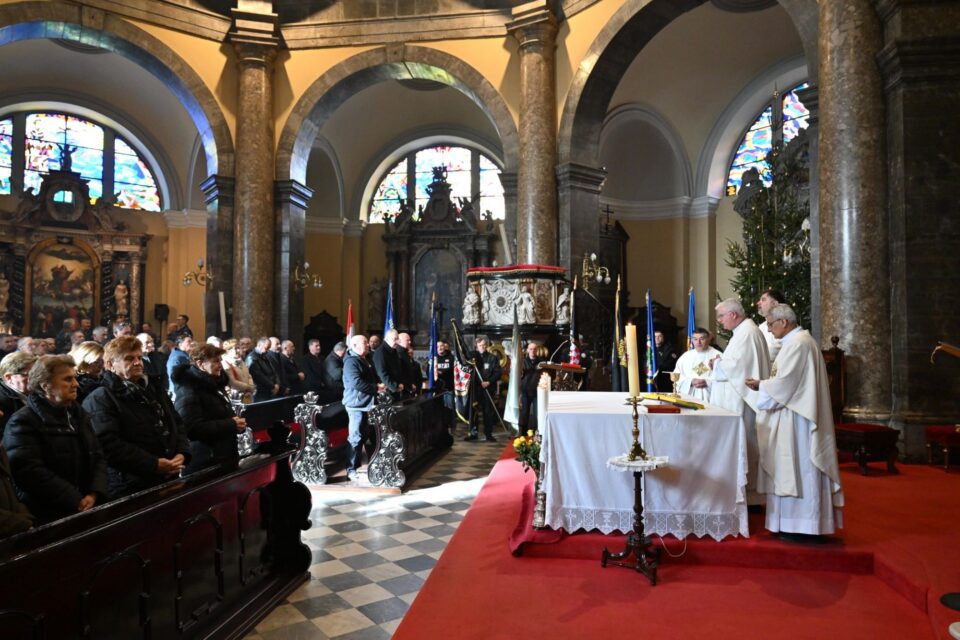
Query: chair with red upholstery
[(942, 438)]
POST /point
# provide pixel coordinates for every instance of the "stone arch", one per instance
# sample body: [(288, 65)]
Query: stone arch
[(634, 25), (363, 70), (61, 21)]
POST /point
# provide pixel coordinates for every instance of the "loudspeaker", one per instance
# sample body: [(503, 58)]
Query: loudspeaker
[(161, 312)]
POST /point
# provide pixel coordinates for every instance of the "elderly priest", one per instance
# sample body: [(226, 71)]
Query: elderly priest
[(745, 357), (798, 451)]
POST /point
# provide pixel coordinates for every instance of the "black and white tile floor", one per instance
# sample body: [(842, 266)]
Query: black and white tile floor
[(371, 553)]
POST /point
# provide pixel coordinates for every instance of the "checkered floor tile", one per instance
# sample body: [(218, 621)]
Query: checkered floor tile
[(371, 553)]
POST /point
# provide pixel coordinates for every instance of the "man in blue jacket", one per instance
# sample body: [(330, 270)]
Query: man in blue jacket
[(360, 389)]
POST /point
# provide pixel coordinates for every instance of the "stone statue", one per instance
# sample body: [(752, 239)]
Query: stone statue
[(101, 212), (121, 298), (466, 212), (376, 293), (563, 307), (750, 186), (471, 311), (525, 308), (27, 205), (405, 214), (4, 292), (66, 157)]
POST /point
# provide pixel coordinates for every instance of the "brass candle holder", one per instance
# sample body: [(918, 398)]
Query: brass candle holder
[(636, 449)]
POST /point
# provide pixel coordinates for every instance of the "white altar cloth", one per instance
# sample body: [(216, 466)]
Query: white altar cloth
[(701, 491)]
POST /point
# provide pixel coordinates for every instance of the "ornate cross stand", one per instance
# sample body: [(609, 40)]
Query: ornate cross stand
[(646, 559)]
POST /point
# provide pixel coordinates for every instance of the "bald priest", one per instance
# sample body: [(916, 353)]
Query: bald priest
[(798, 450)]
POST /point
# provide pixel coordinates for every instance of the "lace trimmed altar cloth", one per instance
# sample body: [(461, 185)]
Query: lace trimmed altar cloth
[(701, 492)]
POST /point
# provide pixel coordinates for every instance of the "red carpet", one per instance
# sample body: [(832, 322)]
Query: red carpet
[(882, 578)]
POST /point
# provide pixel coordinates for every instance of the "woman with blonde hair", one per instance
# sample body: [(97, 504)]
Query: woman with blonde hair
[(238, 376), (88, 357)]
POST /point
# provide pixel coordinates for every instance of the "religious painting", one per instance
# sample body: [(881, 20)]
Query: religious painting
[(62, 284), (440, 271)]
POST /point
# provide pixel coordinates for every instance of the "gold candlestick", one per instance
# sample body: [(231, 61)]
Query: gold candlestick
[(636, 450)]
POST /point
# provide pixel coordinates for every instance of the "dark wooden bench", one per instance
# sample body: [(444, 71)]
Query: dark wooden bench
[(869, 442), (942, 438)]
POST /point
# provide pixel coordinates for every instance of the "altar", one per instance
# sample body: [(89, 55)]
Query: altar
[(702, 492)]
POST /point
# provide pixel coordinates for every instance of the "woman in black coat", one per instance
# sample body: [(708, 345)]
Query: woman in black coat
[(88, 356), (207, 414), (57, 464)]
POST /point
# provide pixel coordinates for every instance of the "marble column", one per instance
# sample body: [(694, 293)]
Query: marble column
[(254, 265), (509, 183), (920, 64), (854, 268), (579, 213), (536, 30), (810, 97), (136, 290), (291, 202), (218, 196)]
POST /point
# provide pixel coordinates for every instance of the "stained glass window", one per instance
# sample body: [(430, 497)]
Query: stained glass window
[(48, 138), (6, 154), (760, 139), (409, 178)]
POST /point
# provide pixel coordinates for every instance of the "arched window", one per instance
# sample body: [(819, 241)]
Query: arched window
[(99, 154), (762, 136), (469, 172)]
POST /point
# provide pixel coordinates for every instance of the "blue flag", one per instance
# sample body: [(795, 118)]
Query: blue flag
[(432, 357), (691, 321), (651, 348), (388, 320)]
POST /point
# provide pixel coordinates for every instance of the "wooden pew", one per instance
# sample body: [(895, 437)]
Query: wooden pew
[(207, 556)]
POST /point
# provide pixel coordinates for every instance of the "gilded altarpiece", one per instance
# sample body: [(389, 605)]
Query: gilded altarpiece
[(64, 257)]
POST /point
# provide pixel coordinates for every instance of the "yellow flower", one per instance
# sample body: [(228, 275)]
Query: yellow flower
[(518, 443), (530, 433)]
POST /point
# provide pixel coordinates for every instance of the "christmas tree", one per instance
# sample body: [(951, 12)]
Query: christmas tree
[(775, 253)]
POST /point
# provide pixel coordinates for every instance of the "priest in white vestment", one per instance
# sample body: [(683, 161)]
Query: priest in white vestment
[(696, 376), (745, 357), (767, 300), (798, 449)]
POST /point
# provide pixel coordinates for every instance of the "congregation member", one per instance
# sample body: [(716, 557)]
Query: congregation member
[(666, 361), (360, 389), (86, 325), (14, 369), (63, 341), (387, 363), (55, 457), (8, 344), (333, 370), (265, 377), (154, 360), (696, 376), (179, 355), (745, 357), (76, 338), (768, 299), (14, 516), (528, 387), (122, 328), (179, 329), (443, 366), (100, 335), (410, 371), (375, 342), (211, 424), (26, 344), (88, 357), (140, 432), (313, 367), (798, 449), (238, 376), (292, 375), (486, 376)]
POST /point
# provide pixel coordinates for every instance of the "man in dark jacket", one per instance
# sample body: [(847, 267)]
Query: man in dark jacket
[(333, 369), (488, 368), (179, 355), (274, 357), (140, 432), (264, 374), (410, 368), (313, 367), (387, 362), (292, 374), (360, 390), (528, 388)]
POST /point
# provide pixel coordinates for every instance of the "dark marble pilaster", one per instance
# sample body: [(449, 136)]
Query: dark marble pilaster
[(578, 187), (855, 294), (254, 41), (218, 195), (536, 30), (920, 63), (291, 200)]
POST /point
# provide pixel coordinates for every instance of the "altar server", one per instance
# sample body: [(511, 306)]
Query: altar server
[(745, 357), (798, 451), (696, 376), (767, 300)]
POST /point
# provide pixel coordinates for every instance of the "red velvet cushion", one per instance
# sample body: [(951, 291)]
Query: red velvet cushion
[(943, 434), (337, 436), (859, 426)]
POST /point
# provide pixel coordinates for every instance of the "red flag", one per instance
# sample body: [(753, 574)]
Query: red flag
[(574, 345), (349, 321)]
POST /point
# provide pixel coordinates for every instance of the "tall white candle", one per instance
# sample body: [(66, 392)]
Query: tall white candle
[(633, 361)]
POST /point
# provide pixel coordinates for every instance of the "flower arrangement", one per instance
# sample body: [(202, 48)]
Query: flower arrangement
[(528, 451)]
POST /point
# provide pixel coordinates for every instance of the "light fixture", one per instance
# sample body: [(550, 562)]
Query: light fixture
[(593, 271), (303, 279), (203, 278)]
